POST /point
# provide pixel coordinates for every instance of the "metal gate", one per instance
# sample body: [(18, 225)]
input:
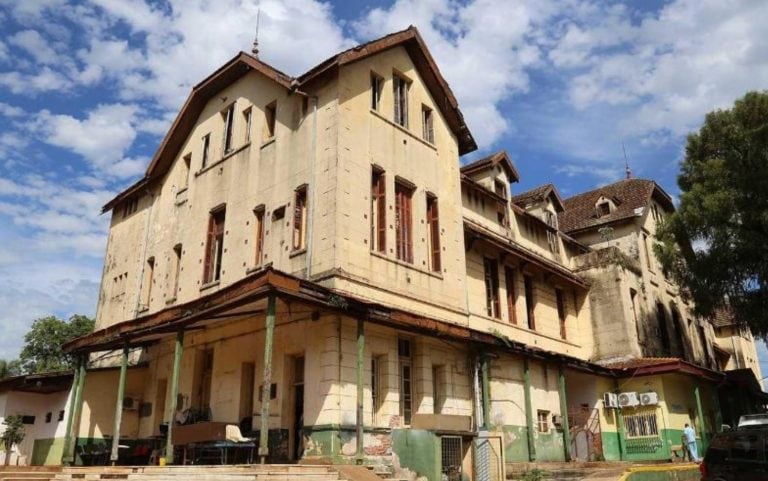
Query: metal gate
[(451, 457), (586, 439), (488, 460)]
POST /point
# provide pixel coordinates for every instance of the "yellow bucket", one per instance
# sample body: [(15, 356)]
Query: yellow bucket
[(161, 461)]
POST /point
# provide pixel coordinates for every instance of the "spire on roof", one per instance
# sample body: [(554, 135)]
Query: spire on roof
[(255, 47), (626, 162)]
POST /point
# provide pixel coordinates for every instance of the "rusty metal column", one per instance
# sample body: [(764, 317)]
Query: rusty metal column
[(266, 386), (119, 406), (360, 390), (75, 409), (170, 404)]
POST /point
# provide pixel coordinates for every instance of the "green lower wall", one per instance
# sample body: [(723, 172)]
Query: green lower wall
[(418, 451), (47, 452), (611, 449), (549, 446), (692, 474)]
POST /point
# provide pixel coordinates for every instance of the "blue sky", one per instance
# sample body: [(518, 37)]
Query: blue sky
[(87, 89)]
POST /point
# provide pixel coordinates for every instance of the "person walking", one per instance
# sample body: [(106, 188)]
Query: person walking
[(690, 443)]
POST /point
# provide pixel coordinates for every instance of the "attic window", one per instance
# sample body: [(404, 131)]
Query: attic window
[(603, 208)]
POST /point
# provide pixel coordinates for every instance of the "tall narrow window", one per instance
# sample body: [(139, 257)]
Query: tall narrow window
[(376, 365), (176, 269), (704, 347), (647, 249), (149, 275), (501, 214), (561, 313), (500, 188), (530, 302), (403, 222), (376, 86), (247, 118), (406, 380), (400, 88), (661, 316), (378, 211), (491, 268), (259, 234), (300, 218), (229, 118), (186, 164), (433, 233), (270, 114), (215, 246), (633, 305), (206, 150), (427, 124), (509, 280)]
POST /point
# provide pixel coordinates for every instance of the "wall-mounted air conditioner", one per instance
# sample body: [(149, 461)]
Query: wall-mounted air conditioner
[(628, 399), (130, 403), (610, 400), (649, 398)]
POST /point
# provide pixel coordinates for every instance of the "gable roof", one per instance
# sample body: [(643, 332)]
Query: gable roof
[(242, 63), (499, 158), (629, 195), (538, 194)]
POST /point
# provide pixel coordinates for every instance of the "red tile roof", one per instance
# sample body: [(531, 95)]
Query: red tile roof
[(628, 195), (499, 158), (537, 194)]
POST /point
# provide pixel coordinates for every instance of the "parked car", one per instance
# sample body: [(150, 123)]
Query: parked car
[(737, 456)]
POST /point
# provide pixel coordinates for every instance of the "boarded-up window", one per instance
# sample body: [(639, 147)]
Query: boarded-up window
[(258, 235), (185, 167), (149, 275), (530, 302), (491, 269), (247, 119), (376, 86), (433, 225), (509, 280), (561, 313), (403, 222), (214, 246), (378, 211), (270, 114), (206, 150), (228, 116), (427, 124), (400, 90), (300, 218), (176, 269)]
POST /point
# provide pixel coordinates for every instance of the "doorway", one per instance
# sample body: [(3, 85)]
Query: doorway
[(297, 408)]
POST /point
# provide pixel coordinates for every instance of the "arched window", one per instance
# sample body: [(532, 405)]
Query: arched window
[(661, 317)]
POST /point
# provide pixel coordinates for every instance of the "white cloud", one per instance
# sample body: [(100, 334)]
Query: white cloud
[(44, 80), (35, 45), (102, 137), (10, 110)]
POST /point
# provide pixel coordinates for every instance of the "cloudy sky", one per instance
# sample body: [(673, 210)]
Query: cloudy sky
[(87, 88)]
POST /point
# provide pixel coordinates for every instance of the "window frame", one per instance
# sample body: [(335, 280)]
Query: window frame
[(404, 221), (259, 217), (510, 276), (400, 88), (530, 301), (178, 252), (562, 312), (270, 121), (542, 421), (377, 87), (248, 121), (433, 233), (228, 138), (206, 151), (214, 248), (378, 210), (299, 222), (427, 124), (405, 364), (491, 280)]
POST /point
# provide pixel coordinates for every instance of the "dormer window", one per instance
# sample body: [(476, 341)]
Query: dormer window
[(603, 207)]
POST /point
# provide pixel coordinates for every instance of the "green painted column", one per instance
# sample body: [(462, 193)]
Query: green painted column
[(486, 380), (170, 404), (529, 410), (564, 413), (73, 417), (360, 390), (702, 422), (119, 406), (620, 429), (269, 335)]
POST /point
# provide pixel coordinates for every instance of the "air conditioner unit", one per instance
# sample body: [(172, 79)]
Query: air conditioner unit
[(628, 399), (557, 420), (649, 398), (610, 400), (130, 403)]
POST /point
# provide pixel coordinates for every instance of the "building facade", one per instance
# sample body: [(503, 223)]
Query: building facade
[(308, 259)]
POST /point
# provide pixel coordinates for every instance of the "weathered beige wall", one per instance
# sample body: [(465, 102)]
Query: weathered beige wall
[(99, 397)]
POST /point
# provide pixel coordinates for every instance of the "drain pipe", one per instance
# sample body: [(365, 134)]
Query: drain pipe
[(312, 186)]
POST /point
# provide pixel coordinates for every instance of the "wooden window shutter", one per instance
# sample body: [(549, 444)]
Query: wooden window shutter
[(509, 279), (434, 231), (379, 211), (396, 87), (408, 227), (209, 246)]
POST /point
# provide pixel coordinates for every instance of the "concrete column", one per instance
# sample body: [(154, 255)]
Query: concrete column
[(360, 390), (75, 411), (486, 380), (528, 410), (564, 413), (702, 422), (170, 404), (119, 406), (269, 335)]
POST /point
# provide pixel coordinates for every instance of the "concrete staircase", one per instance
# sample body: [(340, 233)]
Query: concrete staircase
[(28, 473), (267, 472)]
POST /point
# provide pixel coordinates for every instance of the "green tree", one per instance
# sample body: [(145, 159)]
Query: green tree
[(42, 351), (9, 368), (716, 244), (13, 434)]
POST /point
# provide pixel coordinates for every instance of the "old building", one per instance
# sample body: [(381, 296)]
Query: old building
[(308, 259)]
